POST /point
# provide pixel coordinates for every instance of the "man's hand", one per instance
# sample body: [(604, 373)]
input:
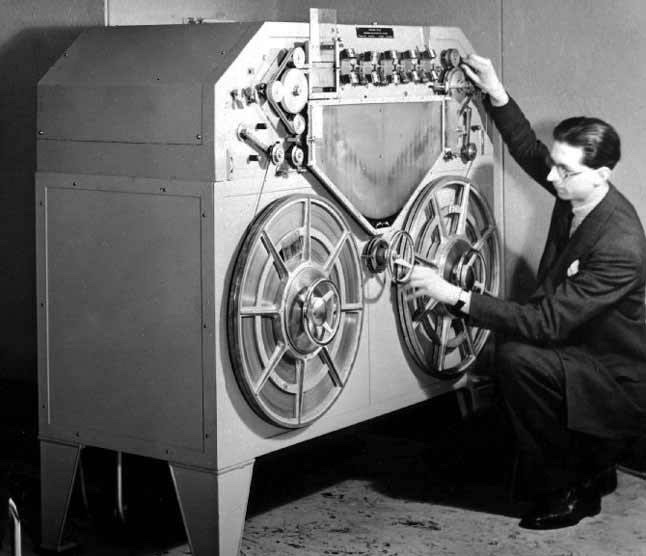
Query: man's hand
[(481, 71), (428, 282)]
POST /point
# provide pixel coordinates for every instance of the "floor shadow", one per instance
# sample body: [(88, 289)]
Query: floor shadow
[(426, 453)]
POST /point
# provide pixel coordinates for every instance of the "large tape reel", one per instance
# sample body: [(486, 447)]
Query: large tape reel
[(295, 310), (452, 229)]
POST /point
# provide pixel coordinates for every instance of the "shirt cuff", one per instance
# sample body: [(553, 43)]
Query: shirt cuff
[(467, 303)]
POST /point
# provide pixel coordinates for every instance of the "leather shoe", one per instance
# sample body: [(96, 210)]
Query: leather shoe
[(562, 509), (603, 482)]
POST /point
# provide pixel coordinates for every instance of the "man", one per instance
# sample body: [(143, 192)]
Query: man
[(572, 367)]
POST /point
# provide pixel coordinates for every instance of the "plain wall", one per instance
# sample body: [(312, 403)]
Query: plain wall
[(163, 12), (565, 58), (33, 34)]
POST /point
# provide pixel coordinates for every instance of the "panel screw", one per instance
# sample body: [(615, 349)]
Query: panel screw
[(198, 137)]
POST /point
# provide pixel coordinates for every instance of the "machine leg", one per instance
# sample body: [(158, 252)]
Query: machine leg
[(213, 506), (58, 464)]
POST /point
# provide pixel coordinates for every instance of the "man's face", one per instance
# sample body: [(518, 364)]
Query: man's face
[(573, 180)]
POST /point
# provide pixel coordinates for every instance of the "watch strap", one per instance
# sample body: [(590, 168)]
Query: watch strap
[(460, 302)]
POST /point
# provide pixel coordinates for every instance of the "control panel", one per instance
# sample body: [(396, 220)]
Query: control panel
[(322, 102)]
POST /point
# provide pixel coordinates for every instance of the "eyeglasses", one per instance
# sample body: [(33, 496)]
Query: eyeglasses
[(564, 173)]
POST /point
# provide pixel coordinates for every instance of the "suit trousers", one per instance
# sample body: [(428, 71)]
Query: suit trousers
[(553, 457)]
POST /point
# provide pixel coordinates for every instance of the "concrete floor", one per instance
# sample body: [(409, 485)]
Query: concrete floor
[(418, 482)]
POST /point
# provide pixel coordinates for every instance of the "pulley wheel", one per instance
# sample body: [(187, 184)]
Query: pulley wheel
[(298, 57), (453, 230), (275, 91), (295, 91), (295, 310)]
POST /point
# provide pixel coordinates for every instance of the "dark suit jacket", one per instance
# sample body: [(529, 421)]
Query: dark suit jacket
[(596, 318)]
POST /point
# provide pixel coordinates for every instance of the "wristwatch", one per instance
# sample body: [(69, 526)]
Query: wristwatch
[(462, 299)]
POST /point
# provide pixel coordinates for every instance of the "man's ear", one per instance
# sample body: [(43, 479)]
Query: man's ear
[(604, 173)]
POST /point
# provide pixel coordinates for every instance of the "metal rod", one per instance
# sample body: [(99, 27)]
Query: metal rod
[(421, 260), (17, 533), (274, 153), (443, 125), (120, 511), (246, 135), (84, 497)]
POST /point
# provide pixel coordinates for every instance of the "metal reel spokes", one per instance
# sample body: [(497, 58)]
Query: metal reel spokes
[(453, 230), (295, 310)]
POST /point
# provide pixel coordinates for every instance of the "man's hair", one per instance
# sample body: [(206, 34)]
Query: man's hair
[(599, 140)]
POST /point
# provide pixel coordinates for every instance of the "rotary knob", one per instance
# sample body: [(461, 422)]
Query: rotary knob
[(409, 66), (388, 65), (457, 86), (427, 54), (367, 65), (391, 55), (371, 56), (409, 54), (348, 62), (450, 58)]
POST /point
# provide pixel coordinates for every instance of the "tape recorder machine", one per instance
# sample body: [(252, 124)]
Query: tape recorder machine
[(227, 216)]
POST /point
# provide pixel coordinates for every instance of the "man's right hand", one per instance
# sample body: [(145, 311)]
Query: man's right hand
[(481, 71)]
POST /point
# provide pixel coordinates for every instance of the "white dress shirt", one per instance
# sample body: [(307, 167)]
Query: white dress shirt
[(581, 210)]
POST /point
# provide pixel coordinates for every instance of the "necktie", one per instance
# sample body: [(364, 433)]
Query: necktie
[(576, 222), (567, 227)]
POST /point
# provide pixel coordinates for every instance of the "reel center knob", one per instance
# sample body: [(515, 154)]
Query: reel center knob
[(321, 312), (318, 311), (467, 278)]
